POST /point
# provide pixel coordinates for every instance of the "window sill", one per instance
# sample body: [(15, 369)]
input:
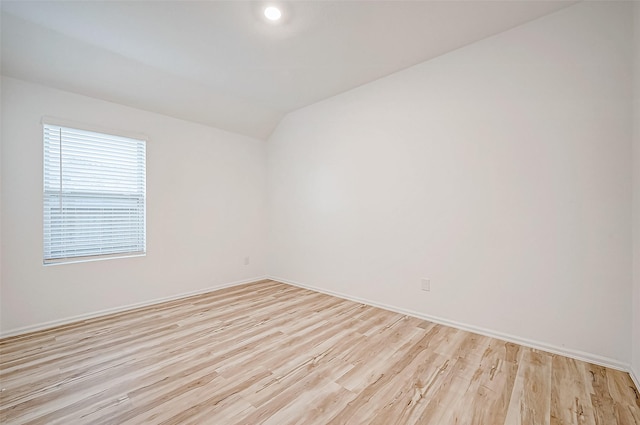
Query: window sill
[(60, 261)]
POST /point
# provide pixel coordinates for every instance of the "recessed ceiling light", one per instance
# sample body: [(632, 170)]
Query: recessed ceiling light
[(272, 13)]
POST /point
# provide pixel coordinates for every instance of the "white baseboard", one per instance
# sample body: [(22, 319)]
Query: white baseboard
[(575, 354), (92, 315)]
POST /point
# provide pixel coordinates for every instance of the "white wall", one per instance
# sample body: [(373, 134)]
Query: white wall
[(636, 197), (1, 144), (206, 211), (500, 171)]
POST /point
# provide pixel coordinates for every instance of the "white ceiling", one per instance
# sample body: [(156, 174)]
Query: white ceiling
[(219, 63)]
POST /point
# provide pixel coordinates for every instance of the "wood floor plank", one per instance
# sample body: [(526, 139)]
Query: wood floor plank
[(570, 403), (486, 399), (270, 353), (601, 399), (530, 400), (626, 400)]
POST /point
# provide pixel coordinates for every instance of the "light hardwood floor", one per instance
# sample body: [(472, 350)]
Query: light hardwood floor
[(269, 353)]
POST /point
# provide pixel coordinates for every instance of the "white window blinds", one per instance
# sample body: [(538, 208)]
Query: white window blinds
[(94, 195)]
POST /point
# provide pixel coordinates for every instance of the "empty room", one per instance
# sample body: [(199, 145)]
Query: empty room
[(320, 212)]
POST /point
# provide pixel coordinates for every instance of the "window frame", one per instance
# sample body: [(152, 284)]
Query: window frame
[(135, 138)]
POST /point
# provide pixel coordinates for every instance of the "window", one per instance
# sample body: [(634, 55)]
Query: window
[(94, 195)]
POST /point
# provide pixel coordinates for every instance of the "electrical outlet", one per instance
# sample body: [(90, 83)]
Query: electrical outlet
[(425, 285), (246, 261)]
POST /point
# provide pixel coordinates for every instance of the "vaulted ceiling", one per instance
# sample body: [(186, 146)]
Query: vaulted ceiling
[(222, 64)]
